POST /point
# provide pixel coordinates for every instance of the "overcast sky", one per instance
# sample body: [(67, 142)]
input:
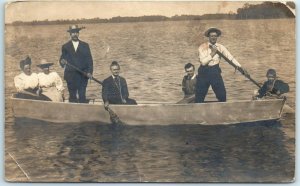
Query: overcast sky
[(28, 11)]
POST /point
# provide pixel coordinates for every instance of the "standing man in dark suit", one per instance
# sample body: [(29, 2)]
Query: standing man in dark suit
[(114, 89), (76, 53)]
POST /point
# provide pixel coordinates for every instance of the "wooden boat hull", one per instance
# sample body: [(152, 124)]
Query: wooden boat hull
[(152, 114)]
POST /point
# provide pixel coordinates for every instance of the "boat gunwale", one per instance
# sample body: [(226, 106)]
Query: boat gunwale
[(204, 124), (154, 104), (157, 105)]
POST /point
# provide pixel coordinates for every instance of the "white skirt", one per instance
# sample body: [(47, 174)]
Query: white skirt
[(53, 94)]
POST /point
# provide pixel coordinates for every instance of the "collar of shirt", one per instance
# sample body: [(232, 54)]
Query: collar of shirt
[(193, 76), (216, 44), (25, 75), (75, 44), (114, 77)]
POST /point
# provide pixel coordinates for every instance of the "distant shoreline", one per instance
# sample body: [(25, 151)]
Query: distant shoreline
[(81, 23), (40, 23), (266, 10)]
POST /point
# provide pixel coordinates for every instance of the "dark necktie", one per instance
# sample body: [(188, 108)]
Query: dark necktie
[(117, 81)]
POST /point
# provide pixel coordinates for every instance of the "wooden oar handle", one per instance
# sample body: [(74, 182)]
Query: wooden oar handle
[(84, 73), (241, 70)]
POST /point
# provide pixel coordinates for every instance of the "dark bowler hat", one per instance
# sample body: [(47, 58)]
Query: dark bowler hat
[(271, 73), (212, 29), (74, 28), (24, 62)]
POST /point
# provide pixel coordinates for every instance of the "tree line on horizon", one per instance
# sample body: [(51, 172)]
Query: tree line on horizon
[(266, 10)]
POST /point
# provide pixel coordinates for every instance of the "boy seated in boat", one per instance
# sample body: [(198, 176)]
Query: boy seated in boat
[(189, 84), (273, 86), (114, 88)]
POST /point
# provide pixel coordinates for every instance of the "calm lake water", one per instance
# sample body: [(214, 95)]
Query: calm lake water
[(152, 57)]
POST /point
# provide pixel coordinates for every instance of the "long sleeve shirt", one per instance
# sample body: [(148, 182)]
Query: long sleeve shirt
[(206, 59), (50, 80), (23, 81)]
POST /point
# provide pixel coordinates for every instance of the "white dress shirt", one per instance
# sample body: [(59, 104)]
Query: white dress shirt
[(206, 59), (75, 45)]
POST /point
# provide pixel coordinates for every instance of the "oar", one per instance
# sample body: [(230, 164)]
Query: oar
[(192, 98), (84, 73), (238, 68), (113, 116)]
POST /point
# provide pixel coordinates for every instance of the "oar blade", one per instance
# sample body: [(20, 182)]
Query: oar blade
[(114, 118)]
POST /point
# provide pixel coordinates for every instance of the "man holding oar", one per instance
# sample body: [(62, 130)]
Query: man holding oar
[(114, 89), (209, 72), (77, 53)]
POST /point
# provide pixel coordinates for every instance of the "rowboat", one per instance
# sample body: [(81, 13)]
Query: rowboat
[(214, 113)]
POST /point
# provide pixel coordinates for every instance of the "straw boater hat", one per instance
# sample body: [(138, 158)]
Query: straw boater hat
[(212, 29), (24, 62), (44, 64), (74, 28)]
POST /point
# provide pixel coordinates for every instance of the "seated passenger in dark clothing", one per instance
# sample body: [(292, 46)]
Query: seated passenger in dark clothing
[(189, 80), (114, 89), (273, 86)]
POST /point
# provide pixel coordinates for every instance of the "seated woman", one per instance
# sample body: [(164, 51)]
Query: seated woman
[(114, 89), (27, 83), (50, 82), (273, 86)]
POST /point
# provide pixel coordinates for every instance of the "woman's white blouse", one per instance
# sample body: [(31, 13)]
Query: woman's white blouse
[(50, 80), (23, 81)]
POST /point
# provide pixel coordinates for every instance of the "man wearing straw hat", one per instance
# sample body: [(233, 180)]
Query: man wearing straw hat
[(78, 54), (209, 72)]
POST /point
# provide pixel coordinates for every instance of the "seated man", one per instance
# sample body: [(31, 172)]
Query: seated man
[(114, 88), (189, 80), (272, 86), (189, 84)]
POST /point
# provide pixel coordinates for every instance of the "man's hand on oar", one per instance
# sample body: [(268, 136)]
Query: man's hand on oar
[(89, 75), (240, 69)]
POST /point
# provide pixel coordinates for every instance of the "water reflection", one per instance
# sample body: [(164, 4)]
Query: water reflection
[(94, 152)]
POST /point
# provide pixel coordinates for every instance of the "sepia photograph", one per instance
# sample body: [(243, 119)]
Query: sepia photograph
[(150, 91)]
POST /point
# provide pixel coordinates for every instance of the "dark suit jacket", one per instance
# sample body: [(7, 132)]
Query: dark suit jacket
[(82, 59), (111, 92), (279, 85)]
